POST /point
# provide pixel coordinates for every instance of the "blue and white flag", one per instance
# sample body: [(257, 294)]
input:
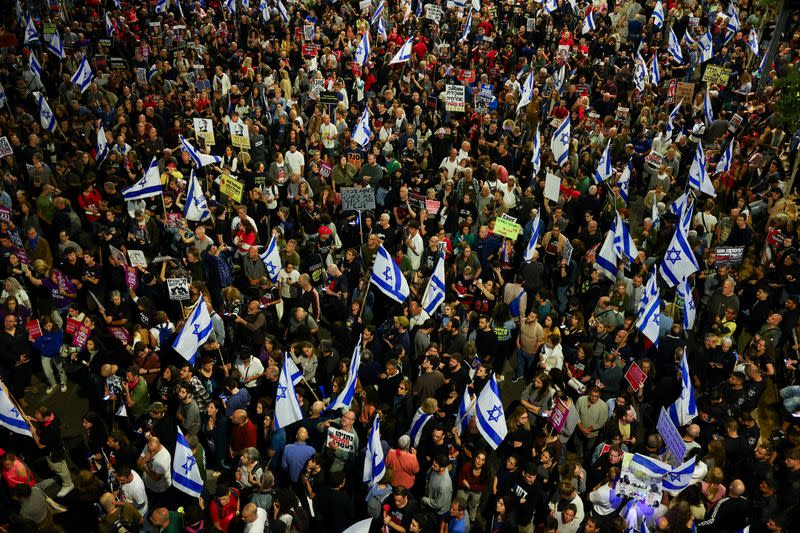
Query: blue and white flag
[(295, 373), (271, 257), (606, 258), (526, 94), (83, 76), (362, 132), (46, 117), (185, 470), (200, 159), (196, 208), (761, 66), (404, 54), (55, 46), (640, 74), (688, 37), (560, 78), (287, 407), (161, 6), (604, 169), (490, 415), (536, 228), (679, 261), (345, 397), (180, 7), (382, 29), (726, 159), (31, 33), (467, 28), (283, 12), (648, 315), (263, 6), (649, 466), (655, 72), (559, 144), (624, 182), (465, 412), (654, 215), (152, 71), (245, 4), (698, 174), (752, 41), (684, 409), (378, 13), (10, 417), (435, 292), (706, 46), (658, 15), (34, 66), (386, 275), (149, 185), (708, 110), (674, 47), (362, 50), (679, 204), (102, 144), (374, 463), (536, 158), (671, 120), (195, 331), (733, 24), (121, 411), (624, 246), (550, 6), (680, 477), (588, 23), (417, 423), (689, 310), (110, 29)]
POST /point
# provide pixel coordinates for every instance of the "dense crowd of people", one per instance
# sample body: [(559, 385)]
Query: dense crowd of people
[(458, 144)]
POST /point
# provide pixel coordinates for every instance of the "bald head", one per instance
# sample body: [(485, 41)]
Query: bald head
[(317, 407), (160, 517), (693, 431), (302, 435), (737, 488), (250, 512), (107, 502)]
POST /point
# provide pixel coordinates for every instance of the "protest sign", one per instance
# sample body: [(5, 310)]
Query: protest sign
[(552, 187), (672, 438), (729, 255), (454, 98), (72, 325), (433, 12), (637, 483), (240, 135), (343, 439), (178, 288), (81, 336), (568, 249), (204, 129), (558, 416), (137, 258), (432, 206), (635, 376), (507, 228), (231, 187), (131, 279), (717, 74), (34, 329), (684, 91), (357, 198), (5, 147), (119, 333)]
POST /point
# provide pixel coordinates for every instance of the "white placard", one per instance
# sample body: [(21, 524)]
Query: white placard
[(454, 98), (240, 135), (137, 258), (204, 129), (178, 288), (552, 187), (5, 147)]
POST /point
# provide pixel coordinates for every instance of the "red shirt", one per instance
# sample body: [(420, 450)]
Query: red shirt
[(85, 201), (222, 515), (243, 437)]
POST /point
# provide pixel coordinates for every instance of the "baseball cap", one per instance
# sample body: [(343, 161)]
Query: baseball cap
[(324, 230)]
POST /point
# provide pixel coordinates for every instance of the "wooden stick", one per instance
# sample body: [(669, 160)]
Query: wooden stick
[(310, 388), (364, 301)]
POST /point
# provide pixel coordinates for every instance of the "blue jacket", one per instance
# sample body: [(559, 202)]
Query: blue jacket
[(49, 344)]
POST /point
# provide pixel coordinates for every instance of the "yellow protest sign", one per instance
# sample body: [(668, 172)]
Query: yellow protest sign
[(717, 74), (231, 187), (507, 228)]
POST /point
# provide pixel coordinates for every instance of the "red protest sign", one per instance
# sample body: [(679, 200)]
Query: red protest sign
[(81, 336), (466, 76), (131, 278), (635, 376), (72, 325), (558, 416), (34, 329)]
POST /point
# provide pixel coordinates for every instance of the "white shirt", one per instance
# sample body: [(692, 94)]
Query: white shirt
[(295, 161), (451, 165), (329, 133), (222, 83), (601, 499), (414, 252), (160, 464), (252, 368), (236, 220), (283, 276), (135, 494), (259, 524)]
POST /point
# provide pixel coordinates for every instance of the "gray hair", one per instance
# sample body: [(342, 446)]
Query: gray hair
[(251, 454)]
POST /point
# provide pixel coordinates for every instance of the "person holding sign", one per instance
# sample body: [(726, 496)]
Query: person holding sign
[(343, 443)]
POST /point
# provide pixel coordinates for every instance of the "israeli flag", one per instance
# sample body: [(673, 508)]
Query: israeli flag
[(640, 74), (536, 159), (196, 208), (536, 228), (435, 292), (689, 38), (560, 78), (378, 13), (679, 261), (110, 29), (526, 94), (680, 477), (604, 170), (706, 45), (698, 176), (195, 331), (761, 66), (149, 185), (684, 409), (733, 23), (658, 15), (83, 76), (230, 5), (404, 54), (102, 144), (490, 415), (362, 50), (624, 246), (161, 6), (185, 470), (417, 423), (465, 412), (283, 13), (264, 8), (287, 407), (467, 28), (752, 41), (35, 67), (245, 4), (674, 47), (180, 7), (648, 316), (31, 33), (689, 310), (655, 73), (374, 464), (559, 144), (387, 277), (362, 132), (726, 160), (152, 71), (708, 111), (606, 259), (655, 216), (550, 6), (55, 46), (199, 158), (588, 23), (272, 259), (625, 181), (671, 120), (382, 29), (649, 466), (345, 397), (360, 527), (294, 373), (46, 117), (10, 417)]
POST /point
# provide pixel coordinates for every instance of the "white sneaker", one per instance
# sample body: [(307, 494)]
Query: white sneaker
[(65, 490), (63, 387), (50, 389)]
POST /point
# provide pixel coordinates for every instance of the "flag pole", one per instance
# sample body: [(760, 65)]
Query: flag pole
[(310, 388), (366, 293), (471, 405)]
